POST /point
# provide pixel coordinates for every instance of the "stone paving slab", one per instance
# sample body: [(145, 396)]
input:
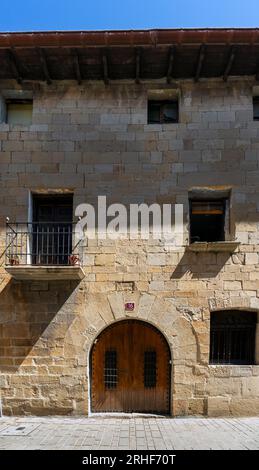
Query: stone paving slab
[(99, 433)]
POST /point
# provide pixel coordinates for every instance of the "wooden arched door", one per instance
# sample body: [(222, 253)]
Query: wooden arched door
[(130, 369)]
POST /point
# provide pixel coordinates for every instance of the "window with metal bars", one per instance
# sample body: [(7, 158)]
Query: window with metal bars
[(256, 108), (232, 337), (150, 369), (52, 229), (110, 369), (161, 112)]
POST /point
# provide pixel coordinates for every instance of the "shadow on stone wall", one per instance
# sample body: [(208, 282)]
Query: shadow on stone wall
[(200, 265), (32, 324)]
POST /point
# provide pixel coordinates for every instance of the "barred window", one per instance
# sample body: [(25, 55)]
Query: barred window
[(110, 369), (150, 369), (232, 337)]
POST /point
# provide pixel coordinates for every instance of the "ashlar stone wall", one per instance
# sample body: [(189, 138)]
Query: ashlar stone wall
[(94, 140)]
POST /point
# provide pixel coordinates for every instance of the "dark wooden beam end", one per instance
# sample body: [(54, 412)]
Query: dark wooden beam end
[(77, 67), (44, 65), (229, 63), (12, 58), (105, 68), (170, 64), (200, 61), (138, 65)]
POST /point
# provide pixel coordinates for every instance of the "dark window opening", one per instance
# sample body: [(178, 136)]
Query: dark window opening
[(232, 337), (150, 369), (110, 369), (256, 108), (161, 112), (207, 220), (19, 112), (52, 229)]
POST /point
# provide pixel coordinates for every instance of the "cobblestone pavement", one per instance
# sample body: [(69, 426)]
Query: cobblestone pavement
[(134, 432)]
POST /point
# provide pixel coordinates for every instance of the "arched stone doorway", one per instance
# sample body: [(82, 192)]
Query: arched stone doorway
[(130, 369)]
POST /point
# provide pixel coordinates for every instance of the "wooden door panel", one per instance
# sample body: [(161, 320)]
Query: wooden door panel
[(150, 399), (130, 340), (104, 398)]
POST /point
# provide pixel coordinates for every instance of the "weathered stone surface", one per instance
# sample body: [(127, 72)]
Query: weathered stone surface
[(218, 406)]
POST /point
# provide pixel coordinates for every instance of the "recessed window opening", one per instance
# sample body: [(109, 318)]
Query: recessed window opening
[(19, 112), (256, 108), (207, 220), (162, 112)]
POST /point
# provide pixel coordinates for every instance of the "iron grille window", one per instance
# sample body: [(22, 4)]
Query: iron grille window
[(160, 112), (110, 369), (256, 108), (207, 220), (150, 369), (232, 337)]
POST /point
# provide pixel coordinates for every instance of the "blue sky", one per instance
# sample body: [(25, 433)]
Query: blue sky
[(36, 15)]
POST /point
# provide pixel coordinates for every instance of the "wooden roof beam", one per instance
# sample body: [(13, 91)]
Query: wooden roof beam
[(170, 64), (105, 68), (77, 67), (257, 72), (138, 65), (200, 62), (12, 57), (44, 65), (229, 63)]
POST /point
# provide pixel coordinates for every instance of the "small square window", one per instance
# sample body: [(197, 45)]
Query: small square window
[(19, 112), (256, 108), (161, 112), (207, 220)]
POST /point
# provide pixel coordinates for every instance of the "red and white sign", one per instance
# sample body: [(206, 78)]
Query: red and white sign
[(129, 306)]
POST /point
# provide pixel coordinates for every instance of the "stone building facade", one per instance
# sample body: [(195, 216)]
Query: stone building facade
[(93, 139)]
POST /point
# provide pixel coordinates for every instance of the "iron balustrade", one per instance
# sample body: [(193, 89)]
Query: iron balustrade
[(41, 243)]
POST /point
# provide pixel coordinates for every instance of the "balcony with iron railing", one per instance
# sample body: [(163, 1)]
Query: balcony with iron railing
[(43, 251)]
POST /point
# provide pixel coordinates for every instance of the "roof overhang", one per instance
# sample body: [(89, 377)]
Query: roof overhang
[(138, 55)]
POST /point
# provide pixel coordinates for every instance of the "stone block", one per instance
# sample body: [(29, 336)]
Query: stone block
[(251, 258), (218, 406)]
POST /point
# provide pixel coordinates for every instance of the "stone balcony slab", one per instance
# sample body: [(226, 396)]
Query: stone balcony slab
[(48, 273), (224, 246)]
